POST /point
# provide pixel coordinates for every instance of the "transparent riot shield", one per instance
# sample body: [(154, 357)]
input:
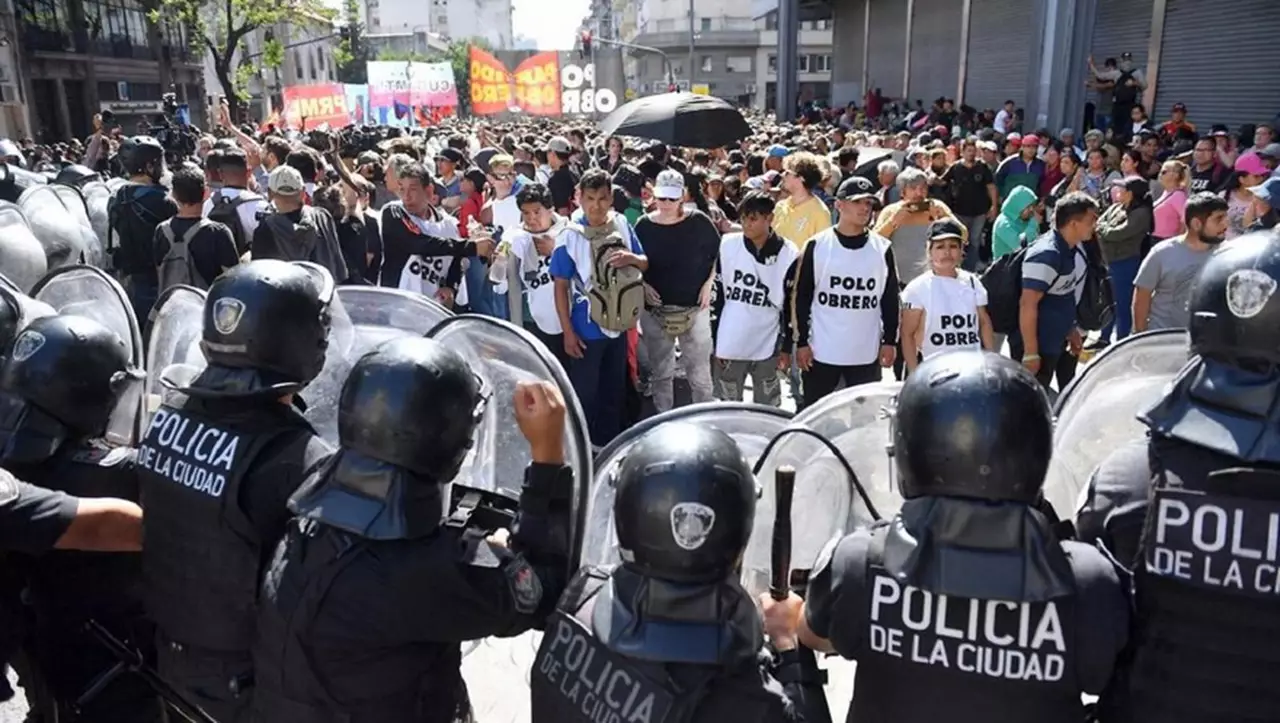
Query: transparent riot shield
[(22, 256), (1097, 413), (827, 502), (97, 195), (750, 425), (497, 670), (91, 245), (362, 317), (503, 355), (89, 292), (55, 222), (176, 326)]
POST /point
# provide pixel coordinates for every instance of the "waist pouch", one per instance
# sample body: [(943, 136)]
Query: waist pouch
[(616, 296), (675, 320)]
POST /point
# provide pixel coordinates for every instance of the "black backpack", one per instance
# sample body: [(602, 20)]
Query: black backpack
[(1003, 279), (226, 211), (1123, 93), (1097, 305)]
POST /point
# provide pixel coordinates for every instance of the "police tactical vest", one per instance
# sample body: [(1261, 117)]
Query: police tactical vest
[(577, 679), (202, 558), (1207, 641), (845, 326), (978, 660), (289, 687)]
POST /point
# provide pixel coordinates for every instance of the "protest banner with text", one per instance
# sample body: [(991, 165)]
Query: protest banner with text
[(311, 106)]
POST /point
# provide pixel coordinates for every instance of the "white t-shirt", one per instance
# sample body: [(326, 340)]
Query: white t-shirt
[(753, 297), (950, 310), (426, 275), (1001, 123)]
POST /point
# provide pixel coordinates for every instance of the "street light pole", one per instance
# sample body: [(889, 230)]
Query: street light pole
[(693, 69), (666, 61)]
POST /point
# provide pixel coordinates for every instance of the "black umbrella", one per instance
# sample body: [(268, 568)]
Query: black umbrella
[(679, 119)]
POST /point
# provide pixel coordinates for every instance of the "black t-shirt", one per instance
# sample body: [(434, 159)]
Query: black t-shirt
[(562, 184), (1208, 181), (968, 188), (212, 249), (353, 241), (681, 256)]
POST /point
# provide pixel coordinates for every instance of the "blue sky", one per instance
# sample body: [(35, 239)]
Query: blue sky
[(553, 29)]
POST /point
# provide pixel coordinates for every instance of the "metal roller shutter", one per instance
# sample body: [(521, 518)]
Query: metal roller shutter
[(1220, 58), (935, 49), (887, 46), (1122, 26), (1000, 46), (846, 52)]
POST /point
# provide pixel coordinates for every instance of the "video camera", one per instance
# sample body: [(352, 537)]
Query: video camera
[(354, 140), (173, 129)]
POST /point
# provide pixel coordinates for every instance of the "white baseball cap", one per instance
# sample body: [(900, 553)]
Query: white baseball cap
[(669, 186)]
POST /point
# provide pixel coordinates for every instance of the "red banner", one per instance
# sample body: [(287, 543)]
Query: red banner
[(490, 84), (538, 84), (310, 106)]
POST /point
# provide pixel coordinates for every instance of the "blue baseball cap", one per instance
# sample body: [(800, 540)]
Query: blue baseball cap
[(1269, 191), (778, 151)]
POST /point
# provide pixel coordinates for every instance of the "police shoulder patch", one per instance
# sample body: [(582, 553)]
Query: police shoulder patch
[(525, 586)]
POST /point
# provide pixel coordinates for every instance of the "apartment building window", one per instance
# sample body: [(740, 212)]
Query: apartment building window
[(802, 64), (822, 24), (771, 21), (773, 63), (738, 64), (819, 63), (297, 63), (705, 65), (706, 24)]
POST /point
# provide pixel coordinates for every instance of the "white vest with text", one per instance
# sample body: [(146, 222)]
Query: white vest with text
[(845, 324)]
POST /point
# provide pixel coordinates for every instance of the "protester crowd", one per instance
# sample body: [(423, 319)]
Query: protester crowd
[(811, 255)]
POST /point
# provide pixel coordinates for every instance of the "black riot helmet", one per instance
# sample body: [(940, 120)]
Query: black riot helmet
[(1234, 309), (972, 424), (142, 154), (413, 403), (272, 318), (76, 175), (684, 504), (70, 367)]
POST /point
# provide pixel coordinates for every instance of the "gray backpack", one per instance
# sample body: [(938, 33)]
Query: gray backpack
[(177, 266)]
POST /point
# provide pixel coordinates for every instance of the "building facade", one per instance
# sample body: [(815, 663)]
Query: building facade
[(733, 54), (449, 19), (1216, 57), (82, 57)]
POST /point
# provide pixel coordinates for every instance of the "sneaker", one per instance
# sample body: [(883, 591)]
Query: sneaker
[(1097, 344)]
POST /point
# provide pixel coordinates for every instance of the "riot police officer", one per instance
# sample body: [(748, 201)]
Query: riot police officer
[(218, 463), (62, 381), (376, 584), (76, 176), (670, 633), (133, 214), (967, 594), (1203, 492)]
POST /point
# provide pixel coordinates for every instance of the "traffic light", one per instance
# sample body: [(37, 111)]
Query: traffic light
[(584, 48)]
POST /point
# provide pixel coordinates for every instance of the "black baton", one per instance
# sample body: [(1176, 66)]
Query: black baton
[(131, 661), (784, 483)]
